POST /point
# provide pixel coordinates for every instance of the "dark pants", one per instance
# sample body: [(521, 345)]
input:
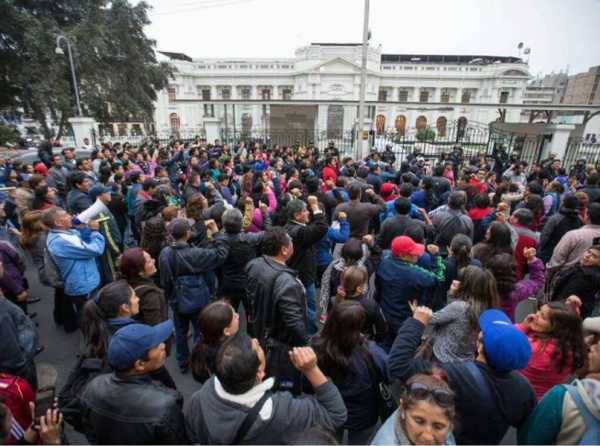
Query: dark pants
[(72, 311), (182, 324), (235, 297)]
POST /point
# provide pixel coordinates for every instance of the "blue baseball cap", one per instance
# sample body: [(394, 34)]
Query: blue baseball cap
[(133, 341), (98, 190), (506, 347)]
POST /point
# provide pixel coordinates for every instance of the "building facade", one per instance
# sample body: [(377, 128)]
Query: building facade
[(583, 88), (399, 83)]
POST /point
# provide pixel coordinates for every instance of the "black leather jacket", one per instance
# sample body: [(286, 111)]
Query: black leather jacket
[(242, 249), (279, 302), (120, 409)]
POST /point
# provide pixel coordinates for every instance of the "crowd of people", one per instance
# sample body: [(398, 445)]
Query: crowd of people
[(315, 298)]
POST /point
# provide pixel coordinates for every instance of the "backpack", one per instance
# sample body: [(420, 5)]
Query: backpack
[(50, 273), (17, 394), (69, 396), (555, 203), (592, 424), (191, 291)]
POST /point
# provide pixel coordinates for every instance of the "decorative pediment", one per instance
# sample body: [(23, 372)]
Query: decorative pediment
[(337, 65)]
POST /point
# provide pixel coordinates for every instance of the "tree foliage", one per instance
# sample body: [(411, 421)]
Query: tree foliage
[(117, 71)]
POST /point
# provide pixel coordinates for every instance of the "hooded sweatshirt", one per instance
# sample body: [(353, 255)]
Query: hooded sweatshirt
[(214, 415), (557, 420)]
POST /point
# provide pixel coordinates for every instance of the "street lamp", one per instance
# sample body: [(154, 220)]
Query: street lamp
[(58, 50)]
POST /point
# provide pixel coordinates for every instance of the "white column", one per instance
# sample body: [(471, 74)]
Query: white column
[(560, 139), (82, 128)]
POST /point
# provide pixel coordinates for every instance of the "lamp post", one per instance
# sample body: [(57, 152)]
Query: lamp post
[(59, 50), (360, 152)]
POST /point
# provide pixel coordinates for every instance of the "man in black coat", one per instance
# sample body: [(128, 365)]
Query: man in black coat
[(126, 406), (278, 300), (306, 228)]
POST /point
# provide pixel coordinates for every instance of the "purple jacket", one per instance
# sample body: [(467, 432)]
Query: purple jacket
[(524, 288), (13, 282)]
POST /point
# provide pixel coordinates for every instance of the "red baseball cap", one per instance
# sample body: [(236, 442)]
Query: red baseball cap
[(403, 245), (41, 169)]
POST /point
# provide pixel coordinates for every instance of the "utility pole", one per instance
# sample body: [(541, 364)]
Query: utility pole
[(59, 51), (363, 86)]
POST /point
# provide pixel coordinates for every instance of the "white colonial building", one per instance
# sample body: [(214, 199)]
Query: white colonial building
[(398, 86)]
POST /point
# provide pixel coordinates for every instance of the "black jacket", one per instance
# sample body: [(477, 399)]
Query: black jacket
[(242, 249), (120, 409), (305, 237), (188, 261), (581, 281), (279, 302), (482, 421), (557, 226), (395, 226)]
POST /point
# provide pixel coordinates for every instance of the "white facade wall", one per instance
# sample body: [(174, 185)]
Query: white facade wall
[(332, 72)]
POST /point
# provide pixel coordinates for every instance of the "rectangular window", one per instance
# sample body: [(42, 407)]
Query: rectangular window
[(226, 93), (382, 96), (466, 97), (403, 96), (172, 94), (287, 94), (265, 94), (445, 97), (424, 96), (245, 93), (504, 97), (206, 94), (209, 111)]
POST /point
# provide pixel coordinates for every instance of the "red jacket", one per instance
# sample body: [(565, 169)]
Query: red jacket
[(329, 173), (542, 371), (481, 187), (526, 239)]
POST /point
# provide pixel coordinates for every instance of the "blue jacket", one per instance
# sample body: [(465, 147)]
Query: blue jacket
[(75, 252), (391, 211), (399, 283), (332, 237), (358, 390), (131, 199), (78, 201)]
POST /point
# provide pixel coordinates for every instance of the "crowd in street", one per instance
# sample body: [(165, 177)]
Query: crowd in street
[(315, 298)]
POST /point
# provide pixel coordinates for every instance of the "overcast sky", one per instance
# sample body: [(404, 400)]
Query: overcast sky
[(560, 33)]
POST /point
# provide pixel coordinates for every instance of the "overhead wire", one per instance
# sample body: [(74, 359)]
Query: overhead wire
[(209, 4)]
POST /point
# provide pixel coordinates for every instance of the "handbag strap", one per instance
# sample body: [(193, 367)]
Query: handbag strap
[(250, 418)]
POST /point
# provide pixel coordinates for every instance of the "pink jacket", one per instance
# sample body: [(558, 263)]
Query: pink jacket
[(524, 288)]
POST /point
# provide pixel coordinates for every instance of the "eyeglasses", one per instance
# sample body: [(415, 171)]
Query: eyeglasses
[(443, 398)]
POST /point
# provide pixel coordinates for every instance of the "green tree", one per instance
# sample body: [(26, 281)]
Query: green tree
[(425, 134), (117, 71), (8, 134)]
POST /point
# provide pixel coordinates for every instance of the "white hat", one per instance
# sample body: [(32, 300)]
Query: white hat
[(592, 324)]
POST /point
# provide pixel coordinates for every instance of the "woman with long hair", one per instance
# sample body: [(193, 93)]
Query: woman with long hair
[(455, 326), (459, 256), (113, 307), (511, 292), (355, 365), (557, 346), (354, 286), (218, 321), (43, 198), (498, 240), (138, 267), (426, 413)]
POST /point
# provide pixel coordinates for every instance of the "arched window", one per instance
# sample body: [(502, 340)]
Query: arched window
[(514, 73), (380, 124), (441, 126), (421, 122), (400, 125), (175, 122)]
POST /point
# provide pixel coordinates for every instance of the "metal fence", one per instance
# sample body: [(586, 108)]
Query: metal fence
[(578, 148)]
